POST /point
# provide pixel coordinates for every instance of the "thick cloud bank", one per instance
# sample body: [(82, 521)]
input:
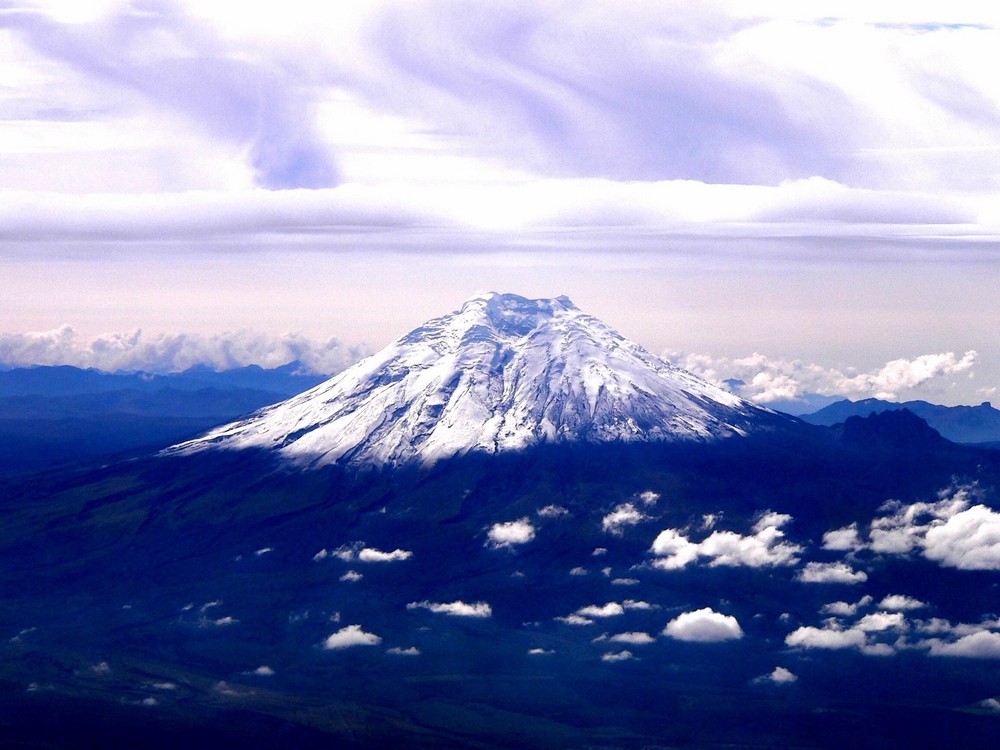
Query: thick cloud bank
[(174, 352)]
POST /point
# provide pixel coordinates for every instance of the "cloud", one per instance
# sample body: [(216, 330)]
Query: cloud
[(826, 638), (161, 60), (632, 638), (611, 609), (950, 531), (877, 622), (648, 497), (845, 539), (575, 619), (455, 609), (900, 603), (764, 548), (703, 626), (351, 636), (766, 380), (835, 572), (613, 656), (844, 609), (370, 554), (622, 516), (779, 676), (552, 511), (540, 652), (980, 645), (409, 651), (174, 352), (510, 533), (351, 576), (262, 671)]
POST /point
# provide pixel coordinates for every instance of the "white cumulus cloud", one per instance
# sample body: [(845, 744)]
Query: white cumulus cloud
[(611, 609), (455, 609), (765, 547), (632, 638), (834, 572), (351, 636), (778, 676), (613, 656), (703, 626), (900, 603), (624, 515), (510, 533), (370, 554)]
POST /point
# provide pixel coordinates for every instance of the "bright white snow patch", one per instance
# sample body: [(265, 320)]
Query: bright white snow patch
[(622, 516), (835, 572), (510, 533), (703, 626), (351, 636), (455, 609)]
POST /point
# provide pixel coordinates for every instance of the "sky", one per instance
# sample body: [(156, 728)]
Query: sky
[(801, 195)]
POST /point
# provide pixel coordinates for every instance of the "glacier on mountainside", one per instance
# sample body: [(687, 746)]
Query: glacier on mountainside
[(502, 373)]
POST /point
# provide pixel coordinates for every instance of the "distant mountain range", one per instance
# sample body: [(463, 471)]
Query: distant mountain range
[(53, 415), (960, 424)]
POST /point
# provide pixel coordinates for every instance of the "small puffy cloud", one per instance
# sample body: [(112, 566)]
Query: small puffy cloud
[(578, 571), (630, 604), (454, 609), (968, 540), (409, 651), (599, 551), (825, 638), (552, 511), (611, 609), (649, 497), (351, 636), (612, 656), (262, 671), (510, 533), (575, 619), (900, 603), (771, 519), (351, 576), (779, 676), (370, 554), (624, 581), (845, 609), (703, 626), (879, 621), (263, 551), (992, 705), (101, 668), (835, 572), (622, 516), (845, 539), (980, 645), (632, 638), (764, 548), (540, 652), (321, 555)]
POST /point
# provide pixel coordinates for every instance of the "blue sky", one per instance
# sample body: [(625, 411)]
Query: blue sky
[(813, 183)]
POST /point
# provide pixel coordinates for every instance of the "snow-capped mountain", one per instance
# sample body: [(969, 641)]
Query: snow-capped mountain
[(502, 373)]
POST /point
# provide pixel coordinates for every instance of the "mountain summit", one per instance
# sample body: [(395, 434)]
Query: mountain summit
[(502, 373)]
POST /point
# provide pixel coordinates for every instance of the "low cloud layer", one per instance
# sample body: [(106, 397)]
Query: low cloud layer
[(767, 380), (174, 352)]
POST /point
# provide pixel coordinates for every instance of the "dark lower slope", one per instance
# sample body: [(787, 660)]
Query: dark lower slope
[(159, 588)]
